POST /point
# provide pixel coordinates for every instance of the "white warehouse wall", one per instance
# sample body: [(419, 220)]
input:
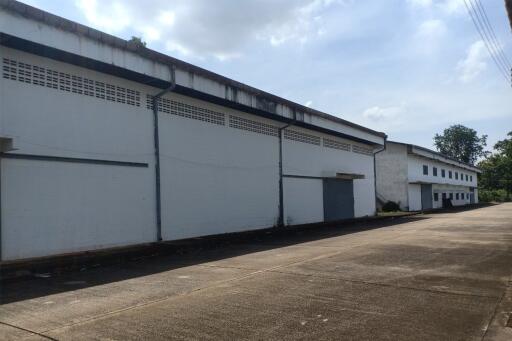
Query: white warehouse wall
[(52, 207), (215, 178), (306, 159)]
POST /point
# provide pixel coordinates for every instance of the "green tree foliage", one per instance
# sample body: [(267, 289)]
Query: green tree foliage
[(496, 174), (461, 143), (137, 41)]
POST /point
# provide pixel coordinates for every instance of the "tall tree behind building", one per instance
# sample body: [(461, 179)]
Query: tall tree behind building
[(497, 168), (461, 143)]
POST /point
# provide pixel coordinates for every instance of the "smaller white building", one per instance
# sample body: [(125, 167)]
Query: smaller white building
[(418, 178)]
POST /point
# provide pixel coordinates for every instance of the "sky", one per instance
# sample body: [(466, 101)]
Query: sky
[(409, 68)]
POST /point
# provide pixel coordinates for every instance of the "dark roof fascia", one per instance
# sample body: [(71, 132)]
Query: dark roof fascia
[(410, 146), (508, 6), (92, 64), (73, 27)]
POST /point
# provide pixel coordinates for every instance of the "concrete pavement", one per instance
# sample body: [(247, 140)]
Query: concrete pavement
[(440, 276)]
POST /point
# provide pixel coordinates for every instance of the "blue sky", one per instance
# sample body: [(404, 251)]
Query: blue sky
[(409, 68)]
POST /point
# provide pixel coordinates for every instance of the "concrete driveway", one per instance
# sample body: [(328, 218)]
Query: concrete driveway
[(444, 276)]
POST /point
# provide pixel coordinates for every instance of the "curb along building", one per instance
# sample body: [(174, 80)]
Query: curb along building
[(106, 144), (418, 178)]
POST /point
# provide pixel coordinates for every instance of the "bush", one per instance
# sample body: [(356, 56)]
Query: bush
[(489, 195), (390, 206)]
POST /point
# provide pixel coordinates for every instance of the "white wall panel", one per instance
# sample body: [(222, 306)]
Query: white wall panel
[(216, 179), (52, 207), (415, 166), (303, 200), (50, 121), (414, 197), (311, 160)]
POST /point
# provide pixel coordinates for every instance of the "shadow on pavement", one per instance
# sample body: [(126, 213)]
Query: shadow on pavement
[(162, 257)]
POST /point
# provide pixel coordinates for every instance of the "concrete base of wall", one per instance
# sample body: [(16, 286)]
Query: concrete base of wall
[(54, 265)]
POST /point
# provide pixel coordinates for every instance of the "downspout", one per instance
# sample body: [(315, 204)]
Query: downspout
[(375, 171), (280, 222), (156, 140)]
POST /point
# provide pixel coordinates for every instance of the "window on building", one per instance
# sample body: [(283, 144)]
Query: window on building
[(434, 171), (467, 177), (425, 170), (456, 176), (471, 178), (450, 174), (444, 196), (436, 196), (462, 196), (456, 196), (451, 196), (443, 173)]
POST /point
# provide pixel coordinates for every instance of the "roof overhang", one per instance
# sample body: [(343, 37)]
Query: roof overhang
[(436, 156), (262, 103)]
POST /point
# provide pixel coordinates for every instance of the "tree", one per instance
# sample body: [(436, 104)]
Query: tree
[(137, 41), (461, 143), (504, 164), (497, 168)]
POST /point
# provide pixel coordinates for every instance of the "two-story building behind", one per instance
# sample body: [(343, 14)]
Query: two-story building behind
[(418, 178)]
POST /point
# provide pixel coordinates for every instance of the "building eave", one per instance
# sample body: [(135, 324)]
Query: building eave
[(411, 147), (508, 6)]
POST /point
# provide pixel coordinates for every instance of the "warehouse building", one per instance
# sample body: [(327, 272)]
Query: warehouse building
[(105, 143), (418, 178)]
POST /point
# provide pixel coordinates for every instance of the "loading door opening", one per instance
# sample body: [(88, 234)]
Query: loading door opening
[(338, 199), (426, 196)]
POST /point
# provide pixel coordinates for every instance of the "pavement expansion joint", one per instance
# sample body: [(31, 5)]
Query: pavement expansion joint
[(342, 279), (27, 330)]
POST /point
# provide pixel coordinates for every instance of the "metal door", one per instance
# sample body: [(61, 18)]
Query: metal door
[(426, 197), (338, 199)]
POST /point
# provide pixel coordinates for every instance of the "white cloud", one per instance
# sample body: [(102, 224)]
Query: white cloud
[(200, 28), (420, 3), (432, 28), (308, 103), (453, 6), (445, 6), (378, 113), (474, 63), (111, 17)]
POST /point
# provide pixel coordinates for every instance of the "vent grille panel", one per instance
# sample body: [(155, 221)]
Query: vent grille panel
[(301, 137), (168, 106), (253, 126), (329, 143), (37, 75), (362, 150)]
